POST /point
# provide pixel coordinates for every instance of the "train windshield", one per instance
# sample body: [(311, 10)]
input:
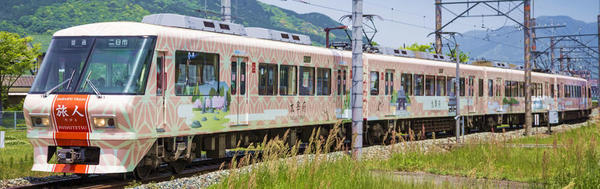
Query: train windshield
[(113, 65)]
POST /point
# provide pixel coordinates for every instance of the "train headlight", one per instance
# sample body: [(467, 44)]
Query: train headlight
[(103, 121), (40, 120)]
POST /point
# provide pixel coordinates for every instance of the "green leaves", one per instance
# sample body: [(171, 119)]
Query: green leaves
[(17, 56)]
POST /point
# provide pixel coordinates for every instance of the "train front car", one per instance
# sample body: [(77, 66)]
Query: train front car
[(88, 111)]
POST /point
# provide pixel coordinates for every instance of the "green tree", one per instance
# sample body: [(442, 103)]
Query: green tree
[(421, 48), (464, 58), (16, 58)]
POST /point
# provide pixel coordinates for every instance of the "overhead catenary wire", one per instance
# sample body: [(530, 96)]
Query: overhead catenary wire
[(403, 23)]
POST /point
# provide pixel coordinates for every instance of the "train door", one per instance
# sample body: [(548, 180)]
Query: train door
[(342, 95), (161, 86), (239, 94)]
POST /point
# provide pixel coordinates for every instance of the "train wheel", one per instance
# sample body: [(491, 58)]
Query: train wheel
[(143, 172), (178, 166)]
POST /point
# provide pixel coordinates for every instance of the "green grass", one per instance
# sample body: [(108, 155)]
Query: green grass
[(575, 160), (16, 158)]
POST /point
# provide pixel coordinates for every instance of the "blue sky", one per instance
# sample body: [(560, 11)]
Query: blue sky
[(409, 21)]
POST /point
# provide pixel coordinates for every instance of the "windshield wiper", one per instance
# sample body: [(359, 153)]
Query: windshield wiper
[(87, 81), (60, 84)]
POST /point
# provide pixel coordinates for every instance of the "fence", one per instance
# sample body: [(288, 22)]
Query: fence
[(12, 120)]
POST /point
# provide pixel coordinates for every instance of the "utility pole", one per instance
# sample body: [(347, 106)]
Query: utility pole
[(357, 79), (561, 59), (456, 92), (552, 69), (226, 10), (598, 51), (533, 44), (438, 26), (527, 54)]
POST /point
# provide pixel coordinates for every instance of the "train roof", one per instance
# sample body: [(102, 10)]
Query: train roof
[(142, 29)]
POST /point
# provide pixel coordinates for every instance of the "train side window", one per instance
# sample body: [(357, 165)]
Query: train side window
[(498, 87), (430, 85), (242, 78), (440, 86), (323, 81), (514, 88), (344, 82), (558, 92), (196, 73), (521, 88), (480, 87), (267, 79), (287, 80), (451, 86), (307, 81), (159, 75), (339, 82), (389, 82), (507, 88), (406, 84), (471, 83), (419, 85), (552, 90), (374, 83), (490, 87), (462, 86), (233, 78)]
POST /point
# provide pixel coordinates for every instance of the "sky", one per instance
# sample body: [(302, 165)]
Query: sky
[(409, 21)]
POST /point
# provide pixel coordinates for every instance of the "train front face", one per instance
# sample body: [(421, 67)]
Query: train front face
[(88, 110)]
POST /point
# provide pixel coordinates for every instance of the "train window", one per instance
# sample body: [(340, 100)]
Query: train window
[(514, 88), (429, 85), (507, 88), (498, 87), (233, 78), (389, 82), (418, 85), (196, 73), (267, 79), (480, 87), (462, 86), (552, 90), (521, 89), (490, 87), (471, 83), (406, 84), (287, 80), (440, 86), (451, 86), (159, 75), (307, 81), (344, 81), (242, 78), (546, 89), (341, 82), (558, 92), (323, 81), (374, 83)]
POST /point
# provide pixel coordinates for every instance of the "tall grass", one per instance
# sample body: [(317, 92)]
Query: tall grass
[(572, 159)]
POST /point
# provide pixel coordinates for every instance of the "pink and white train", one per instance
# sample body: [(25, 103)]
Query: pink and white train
[(119, 97)]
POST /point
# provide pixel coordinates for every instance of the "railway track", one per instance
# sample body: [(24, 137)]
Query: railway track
[(122, 180)]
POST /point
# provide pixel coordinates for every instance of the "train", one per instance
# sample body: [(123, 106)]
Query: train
[(128, 97)]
